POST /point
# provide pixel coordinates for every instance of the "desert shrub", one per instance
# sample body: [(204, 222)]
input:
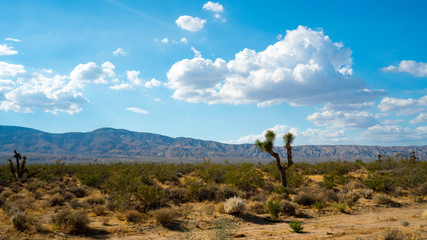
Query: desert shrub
[(95, 200), (222, 229), (134, 216), (164, 216), (379, 183), (244, 176), (341, 207), (211, 172), (75, 203), (367, 193), (100, 210), (165, 172), (420, 190), (296, 226), (7, 193), (57, 200), (150, 195), (176, 195), (394, 235), (257, 207), (349, 198), (304, 199), (287, 208), (280, 189), (71, 222), (93, 175), (234, 205), (78, 191), (382, 199), (319, 205), (273, 208), (225, 192), (294, 178), (18, 218), (67, 195), (404, 223), (207, 192), (2, 202)]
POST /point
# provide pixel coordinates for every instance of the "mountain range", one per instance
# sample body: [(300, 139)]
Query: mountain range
[(108, 144)]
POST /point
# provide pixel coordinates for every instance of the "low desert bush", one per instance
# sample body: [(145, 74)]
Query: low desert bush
[(287, 208), (100, 210), (367, 193), (273, 208), (245, 177), (164, 216), (18, 218), (176, 195), (57, 200), (71, 222), (296, 226), (305, 199), (341, 207), (234, 205), (257, 207), (404, 223), (95, 200), (75, 203), (78, 191), (319, 205), (382, 199), (394, 235), (133, 216)]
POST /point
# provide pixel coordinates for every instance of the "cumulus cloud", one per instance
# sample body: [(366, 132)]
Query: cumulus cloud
[(216, 9), (340, 119), (7, 50), (152, 83), (27, 92), (133, 77), (322, 136), (403, 106), (121, 86), (119, 51), (417, 69), (184, 40), (164, 40), (421, 118), (305, 68), (137, 110), (189, 23)]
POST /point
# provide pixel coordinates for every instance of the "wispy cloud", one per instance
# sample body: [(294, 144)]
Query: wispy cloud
[(417, 69), (119, 51), (13, 40), (7, 50), (137, 110)]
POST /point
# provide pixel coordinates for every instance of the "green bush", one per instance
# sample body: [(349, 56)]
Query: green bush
[(273, 208), (296, 226), (245, 176)]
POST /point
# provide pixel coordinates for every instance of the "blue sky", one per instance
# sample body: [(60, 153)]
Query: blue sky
[(332, 72)]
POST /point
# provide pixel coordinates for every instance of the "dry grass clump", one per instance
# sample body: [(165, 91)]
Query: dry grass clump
[(287, 208), (78, 191), (71, 222), (57, 200), (305, 199), (100, 210), (257, 207), (382, 199), (394, 235), (95, 200), (18, 218), (367, 193), (164, 216), (234, 205), (134, 216)]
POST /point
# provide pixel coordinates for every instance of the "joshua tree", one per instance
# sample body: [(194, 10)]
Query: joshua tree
[(267, 146), (20, 170)]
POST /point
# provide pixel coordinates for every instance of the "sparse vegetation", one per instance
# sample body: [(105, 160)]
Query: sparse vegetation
[(234, 205), (296, 226)]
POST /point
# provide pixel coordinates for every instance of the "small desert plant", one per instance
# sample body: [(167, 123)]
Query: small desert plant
[(287, 208), (95, 200), (222, 229), (257, 207), (382, 199), (18, 218), (394, 235), (57, 200), (341, 207), (79, 192), (164, 216), (304, 199), (273, 208), (404, 223), (75, 203), (100, 210), (133, 216), (234, 205), (367, 193), (71, 222), (319, 205), (296, 226)]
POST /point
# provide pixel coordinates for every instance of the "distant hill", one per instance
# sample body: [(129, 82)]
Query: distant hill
[(118, 144)]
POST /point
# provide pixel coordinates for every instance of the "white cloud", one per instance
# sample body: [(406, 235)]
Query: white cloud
[(137, 110), (38, 92), (421, 118), (10, 70), (305, 68), (393, 133), (323, 136), (216, 9), (184, 40), (121, 86), (152, 83), (192, 24), (417, 69), (403, 106), (164, 40), (119, 51), (13, 40), (7, 50), (338, 119), (91, 73), (49, 71), (133, 78)]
